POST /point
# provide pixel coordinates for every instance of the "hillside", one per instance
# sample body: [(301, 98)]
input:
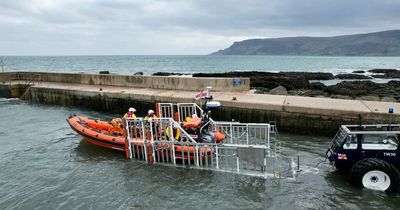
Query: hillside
[(385, 43)]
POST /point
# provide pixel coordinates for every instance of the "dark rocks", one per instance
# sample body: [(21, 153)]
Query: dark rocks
[(352, 76), (280, 90), (303, 75), (353, 89), (382, 71), (269, 80), (394, 83), (315, 93), (261, 90), (309, 75), (167, 74), (139, 73), (317, 86), (367, 90), (385, 73), (297, 83), (162, 74), (392, 88), (358, 72), (104, 72)]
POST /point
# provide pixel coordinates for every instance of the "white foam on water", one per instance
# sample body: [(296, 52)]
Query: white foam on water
[(308, 170)]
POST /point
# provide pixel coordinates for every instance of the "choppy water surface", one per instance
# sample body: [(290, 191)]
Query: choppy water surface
[(45, 165), (128, 64)]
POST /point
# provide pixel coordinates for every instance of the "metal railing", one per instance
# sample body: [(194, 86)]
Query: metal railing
[(182, 110), (22, 80), (243, 133), (164, 141), (188, 110), (165, 109), (237, 133)]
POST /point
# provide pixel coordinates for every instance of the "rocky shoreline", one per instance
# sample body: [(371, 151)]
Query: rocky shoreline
[(361, 85)]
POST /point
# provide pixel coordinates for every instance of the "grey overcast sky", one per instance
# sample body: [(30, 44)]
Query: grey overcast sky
[(101, 27)]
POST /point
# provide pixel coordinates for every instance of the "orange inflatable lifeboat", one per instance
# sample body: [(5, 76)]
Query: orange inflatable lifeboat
[(112, 135), (99, 132)]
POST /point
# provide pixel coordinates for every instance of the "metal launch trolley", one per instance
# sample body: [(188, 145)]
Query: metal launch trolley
[(247, 148)]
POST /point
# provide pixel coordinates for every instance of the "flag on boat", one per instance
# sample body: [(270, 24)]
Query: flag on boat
[(201, 94)]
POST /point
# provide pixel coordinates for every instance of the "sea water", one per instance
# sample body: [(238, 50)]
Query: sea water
[(129, 64), (44, 164)]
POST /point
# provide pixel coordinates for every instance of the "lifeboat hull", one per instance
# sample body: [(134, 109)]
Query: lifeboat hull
[(96, 132)]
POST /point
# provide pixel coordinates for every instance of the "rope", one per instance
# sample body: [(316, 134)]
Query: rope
[(316, 166)]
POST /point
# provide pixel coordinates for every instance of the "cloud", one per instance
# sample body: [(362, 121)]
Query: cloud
[(177, 26)]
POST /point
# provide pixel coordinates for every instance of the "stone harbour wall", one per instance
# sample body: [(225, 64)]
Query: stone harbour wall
[(135, 81)]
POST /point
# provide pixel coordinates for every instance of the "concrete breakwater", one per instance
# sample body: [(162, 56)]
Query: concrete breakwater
[(134, 81), (292, 113)]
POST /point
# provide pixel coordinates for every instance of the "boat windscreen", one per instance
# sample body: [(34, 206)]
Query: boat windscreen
[(338, 139)]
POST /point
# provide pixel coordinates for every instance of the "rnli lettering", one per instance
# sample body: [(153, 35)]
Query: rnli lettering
[(389, 154)]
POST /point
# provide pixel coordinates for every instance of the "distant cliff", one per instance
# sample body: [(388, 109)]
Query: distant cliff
[(385, 43)]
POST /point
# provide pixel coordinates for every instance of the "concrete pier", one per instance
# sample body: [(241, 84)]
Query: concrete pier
[(132, 81), (292, 113)]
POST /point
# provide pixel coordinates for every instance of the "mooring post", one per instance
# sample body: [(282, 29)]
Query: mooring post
[(298, 163)]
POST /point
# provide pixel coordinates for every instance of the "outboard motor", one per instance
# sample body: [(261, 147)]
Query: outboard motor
[(210, 105), (210, 137), (206, 137)]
